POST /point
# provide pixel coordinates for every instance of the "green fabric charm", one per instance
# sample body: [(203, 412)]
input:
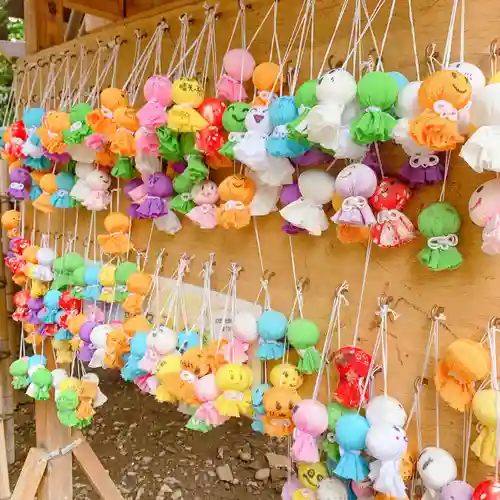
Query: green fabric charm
[(42, 379), (227, 149), (84, 422), (19, 372), (182, 203), (79, 283), (79, 128), (188, 145), (196, 171), (66, 404), (169, 145), (310, 361), (335, 411), (196, 425), (233, 119), (122, 273), (377, 92), (297, 129), (331, 448), (440, 223), (303, 334), (124, 168), (305, 97), (182, 184), (63, 269)]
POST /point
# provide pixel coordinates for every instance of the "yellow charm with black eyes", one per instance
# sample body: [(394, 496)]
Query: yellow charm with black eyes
[(236, 399), (286, 375), (310, 475)]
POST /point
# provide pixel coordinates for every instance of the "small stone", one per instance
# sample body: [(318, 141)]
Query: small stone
[(277, 461), (220, 452), (224, 473), (245, 457), (211, 473), (165, 488), (262, 474), (278, 474), (147, 460), (177, 495), (139, 494)]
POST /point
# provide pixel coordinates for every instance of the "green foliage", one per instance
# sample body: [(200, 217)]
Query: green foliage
[(15, 27)]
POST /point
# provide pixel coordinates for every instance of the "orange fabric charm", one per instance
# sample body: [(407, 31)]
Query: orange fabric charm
[(237, 191), (87, 394), (123, 141), (116, 345), (49, 187), (50, 133), (101, 120), (441, 95), (138, 285), (279, 403), (117, 242)]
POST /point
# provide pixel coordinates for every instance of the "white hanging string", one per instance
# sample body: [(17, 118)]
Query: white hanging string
[(445, 177), (333, 324), (206, 307), (492, 340), (380, 66), (449, 38), (413, 39)]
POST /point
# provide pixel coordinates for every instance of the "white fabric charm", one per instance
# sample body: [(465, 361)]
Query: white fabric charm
[(169, 223), (387, 443), (482, 150), (347, 149), (401, 136), (81, 153), (437, 468), (81, 190), (147, 163), (266, 197)]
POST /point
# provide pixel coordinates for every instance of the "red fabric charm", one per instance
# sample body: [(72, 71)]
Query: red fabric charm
[(390, 194)]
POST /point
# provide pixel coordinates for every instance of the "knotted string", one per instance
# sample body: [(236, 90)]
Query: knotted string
[(206, 306)]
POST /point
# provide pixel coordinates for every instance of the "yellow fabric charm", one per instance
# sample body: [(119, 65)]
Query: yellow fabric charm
[(236, 399), (484, 408), (107, 280), (167, 367), (123, 141), (64, 353), (87, 394), (116, 346), (187, 94)]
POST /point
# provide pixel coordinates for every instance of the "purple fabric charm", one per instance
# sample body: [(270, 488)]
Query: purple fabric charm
[(34, 306), (86, 350), (178, 166), (61, 158), (20, 181), (423, 168), (136, 192), (289, 194), (159, 187), (312, 157), (371, 160)]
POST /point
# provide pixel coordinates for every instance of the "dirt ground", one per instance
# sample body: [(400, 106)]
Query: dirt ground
[(151, 456)]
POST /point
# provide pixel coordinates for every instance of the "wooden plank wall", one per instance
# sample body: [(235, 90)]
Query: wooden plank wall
[(469, 295)]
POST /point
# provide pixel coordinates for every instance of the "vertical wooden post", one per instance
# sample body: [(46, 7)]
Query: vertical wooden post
[(44, 25), (51, 435)]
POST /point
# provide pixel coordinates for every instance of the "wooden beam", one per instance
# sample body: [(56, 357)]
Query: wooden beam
[(44, 24), (108, 9)]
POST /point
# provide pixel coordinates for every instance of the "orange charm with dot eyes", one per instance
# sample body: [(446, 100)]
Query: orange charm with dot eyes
[(279, 403)]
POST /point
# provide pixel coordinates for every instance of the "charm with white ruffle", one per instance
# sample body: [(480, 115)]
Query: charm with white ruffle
[(482, 150)]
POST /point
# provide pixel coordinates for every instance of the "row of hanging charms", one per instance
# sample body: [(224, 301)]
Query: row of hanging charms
[(329, 116)]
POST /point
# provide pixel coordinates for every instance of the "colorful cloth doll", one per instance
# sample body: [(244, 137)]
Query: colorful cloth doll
[(135, 190), (138, 285), (50, 309), (98, 338), (186, 339), (210, 139), (206, 416), (316, 188), (484, 211), (93, 289), (205, 195), (245, 332), (251, 150), (463, 363), (436, 467), (20, 182), (187, 94), (86, 348), (235, 382), (10, 222), (286, 375), (311, 420), (279, 403), (377, 93), (158, 95), (422, 169), (392, 228), (50, 133), (258, 407), (117, 242), (99, 182), (272, 327), (20, 300), (123, 141), (167, 367), (355, 184), (101, 120), (456, 489), (334, 90), (387, 443), (384, 409), (303, 334), (332, 487), (19, 372), (265, 198), (61, 198), (154, 205), (48, 183), (351, 431), (122, 274), (440, 223), (79, 129), (441, 95), (117, 345), (238, 65), (161, 342), (233, 121), (267, 79), (63, 269), (353, 365), (485, 410), (107, 282), (310, 477), (81, 190), (236, 191)]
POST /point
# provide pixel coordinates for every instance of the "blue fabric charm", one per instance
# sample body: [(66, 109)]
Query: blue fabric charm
[(61, 199), (63, 334), (93, 289), (272, 326), (138, 347), (187, 339), (351, 431), (278, 144)]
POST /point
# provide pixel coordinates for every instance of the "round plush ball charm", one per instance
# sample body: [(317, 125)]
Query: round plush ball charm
[(456, 490), (303, 334), (473, 74), (390, 194), (484, 203), (311, 475), (286, 375), (487, 490), (212, 110), (384, 409), (436, 468), (332, 488)]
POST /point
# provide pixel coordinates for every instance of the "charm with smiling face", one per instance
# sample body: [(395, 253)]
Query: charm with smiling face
[(311, 475), (484, 202), (234, 381), (436, 467), (286, 375)]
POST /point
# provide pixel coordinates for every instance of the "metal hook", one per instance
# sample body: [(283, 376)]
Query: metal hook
[(494, 322), (333, 65), (267, 275), (420, 382), (437, 311), (494, 50), (302, 284), (385, 300), (342, 288)]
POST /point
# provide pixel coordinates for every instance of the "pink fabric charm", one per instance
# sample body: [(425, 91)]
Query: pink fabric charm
[(152, 114), (305, 447), (146, 140), (445, 110), (231, 90), (392, 229), (149, 361), (236, 351), (355, 211), (97, 200), (142, 382), (204, 216), (96, 141), (208, 413)]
